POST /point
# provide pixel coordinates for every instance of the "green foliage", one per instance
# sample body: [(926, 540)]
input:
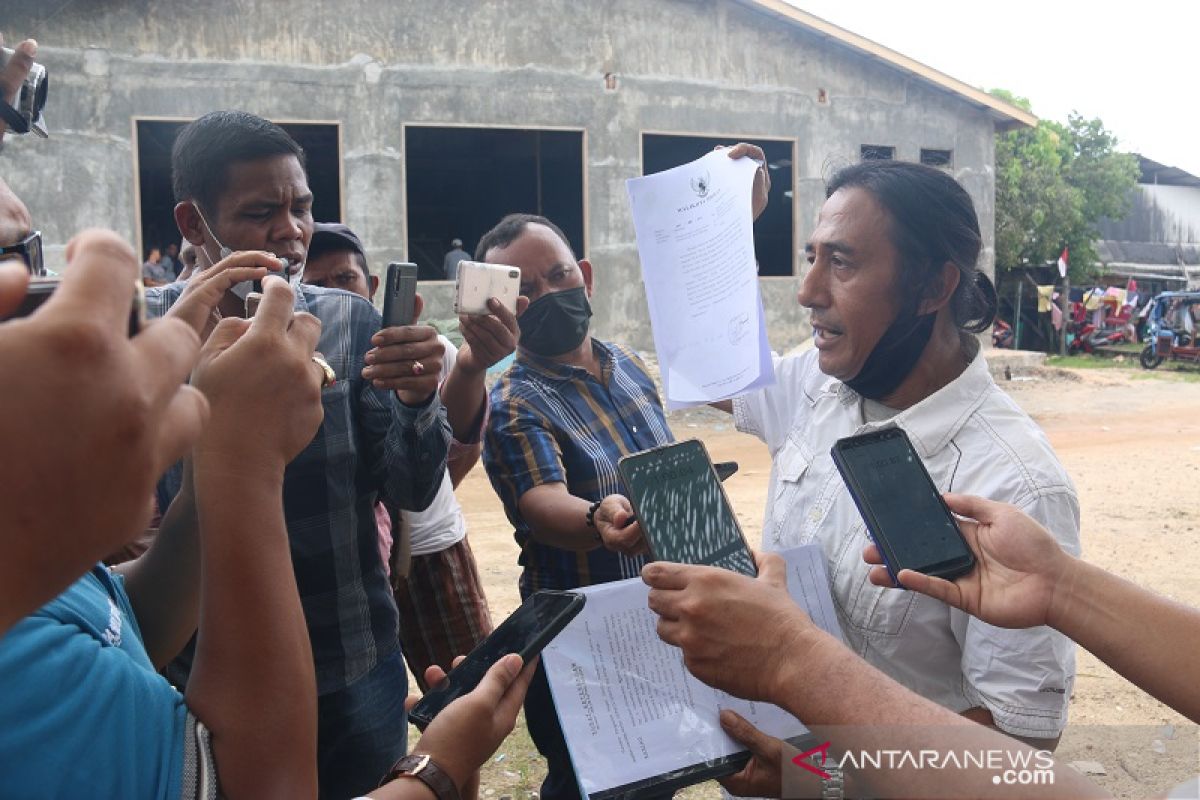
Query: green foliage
[(1054, 183)]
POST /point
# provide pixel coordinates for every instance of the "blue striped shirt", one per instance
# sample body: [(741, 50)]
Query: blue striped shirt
[(369, 445), (552, 423)]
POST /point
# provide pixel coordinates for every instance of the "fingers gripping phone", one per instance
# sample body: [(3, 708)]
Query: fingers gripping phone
[(903, 509), (41, 287), (685, 516), (478, 282), (400, 294), (530, 628)]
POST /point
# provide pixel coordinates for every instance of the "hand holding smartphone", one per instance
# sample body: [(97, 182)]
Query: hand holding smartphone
[(41, 287), (677, 497), (530, 628), (904, 512)]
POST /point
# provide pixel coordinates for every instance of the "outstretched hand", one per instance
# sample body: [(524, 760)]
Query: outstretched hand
[(1018, 566)]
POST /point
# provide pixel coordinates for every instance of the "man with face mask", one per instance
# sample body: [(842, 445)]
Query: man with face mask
[(561, 417), (896, 299), (244, 200)]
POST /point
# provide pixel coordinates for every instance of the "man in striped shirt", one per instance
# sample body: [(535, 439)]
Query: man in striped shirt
[(561, 418)]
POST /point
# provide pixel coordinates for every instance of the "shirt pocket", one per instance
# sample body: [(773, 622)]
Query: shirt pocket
[(791, 464), (868, 609)]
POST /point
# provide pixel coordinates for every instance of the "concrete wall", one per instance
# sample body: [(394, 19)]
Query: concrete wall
[(1161, 214), (706, 67)]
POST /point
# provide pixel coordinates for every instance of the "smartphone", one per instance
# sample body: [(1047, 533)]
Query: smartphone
[(903, 509), (686, 517), (530, 628), (41, 287), (253, 300), (478, 282), (400, 294)]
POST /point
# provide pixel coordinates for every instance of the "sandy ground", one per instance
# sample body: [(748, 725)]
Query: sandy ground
[(1131, 442)]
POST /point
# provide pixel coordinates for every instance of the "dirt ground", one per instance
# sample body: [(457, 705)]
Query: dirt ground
[(1131, 442)]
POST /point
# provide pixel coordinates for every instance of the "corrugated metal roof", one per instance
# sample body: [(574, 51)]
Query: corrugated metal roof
[(1114, 252), (1162, 175), (1005, 115)]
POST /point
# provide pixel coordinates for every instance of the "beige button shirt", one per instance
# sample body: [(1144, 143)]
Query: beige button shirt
[(973, 439)]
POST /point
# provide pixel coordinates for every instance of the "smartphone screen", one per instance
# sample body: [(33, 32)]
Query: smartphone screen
[(682, 507), (901, 505), (530, 628), (400, 293)]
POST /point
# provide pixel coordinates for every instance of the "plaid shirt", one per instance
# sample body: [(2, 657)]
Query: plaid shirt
[(554, 423), (368, 445)]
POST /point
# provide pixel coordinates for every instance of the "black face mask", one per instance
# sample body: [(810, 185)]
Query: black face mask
[(894, 356), (556, 323)]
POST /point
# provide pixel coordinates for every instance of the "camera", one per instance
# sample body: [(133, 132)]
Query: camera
[(26, 114)]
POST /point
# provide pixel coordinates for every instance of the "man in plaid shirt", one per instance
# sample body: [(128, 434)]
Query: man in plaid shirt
[(240, 186)]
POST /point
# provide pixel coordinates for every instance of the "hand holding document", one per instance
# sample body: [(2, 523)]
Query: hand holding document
[(695, 236), (632, 715)]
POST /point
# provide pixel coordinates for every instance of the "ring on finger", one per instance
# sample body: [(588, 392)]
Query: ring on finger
[(418, 368), (328, 376)]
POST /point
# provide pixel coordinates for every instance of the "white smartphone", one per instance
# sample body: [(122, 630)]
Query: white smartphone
[(478, 282)]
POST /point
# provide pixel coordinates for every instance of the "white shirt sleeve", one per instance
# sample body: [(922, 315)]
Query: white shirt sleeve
[(771, 412)]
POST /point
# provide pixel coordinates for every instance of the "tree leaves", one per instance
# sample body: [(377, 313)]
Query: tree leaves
[(1054, 183)]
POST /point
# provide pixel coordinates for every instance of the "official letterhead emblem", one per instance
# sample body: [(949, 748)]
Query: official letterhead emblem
[(700, 184)]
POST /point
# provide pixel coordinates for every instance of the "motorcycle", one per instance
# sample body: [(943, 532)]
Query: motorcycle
[(1168, 339)]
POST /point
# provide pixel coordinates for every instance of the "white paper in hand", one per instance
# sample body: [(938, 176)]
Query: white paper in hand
[(632, 715), (695, 237)]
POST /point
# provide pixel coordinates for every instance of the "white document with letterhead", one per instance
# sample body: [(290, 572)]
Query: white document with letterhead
[(695, 238), (632, 715)]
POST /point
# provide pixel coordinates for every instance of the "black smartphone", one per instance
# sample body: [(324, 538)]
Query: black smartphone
[(41, 287), (686, 517), (904, 511), (530, 628), (400, 294)]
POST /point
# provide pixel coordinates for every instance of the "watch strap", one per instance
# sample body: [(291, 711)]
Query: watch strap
[(422, 767)]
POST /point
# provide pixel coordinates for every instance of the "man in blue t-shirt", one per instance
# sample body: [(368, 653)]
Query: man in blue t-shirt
[(83, 712)]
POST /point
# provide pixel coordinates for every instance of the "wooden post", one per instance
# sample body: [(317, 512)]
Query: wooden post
[(1066, 308), (1017, 318)]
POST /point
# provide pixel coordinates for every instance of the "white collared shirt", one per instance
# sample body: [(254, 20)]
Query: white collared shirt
[(973, 439)]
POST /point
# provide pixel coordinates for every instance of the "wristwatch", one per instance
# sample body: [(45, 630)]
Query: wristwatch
[(423, 769), (833, 787)]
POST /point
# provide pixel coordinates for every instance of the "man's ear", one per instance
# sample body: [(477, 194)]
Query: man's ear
[(942, 290), (372, 286), (187, 219), (585, 267)]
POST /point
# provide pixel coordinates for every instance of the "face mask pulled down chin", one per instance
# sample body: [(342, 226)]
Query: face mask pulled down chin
[(894, 356), (556, 323)]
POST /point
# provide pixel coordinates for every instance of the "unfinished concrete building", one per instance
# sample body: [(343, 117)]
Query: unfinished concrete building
[(427, 120)]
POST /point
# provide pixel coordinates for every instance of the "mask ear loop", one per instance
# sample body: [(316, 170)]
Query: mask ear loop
[(224, 252), (245, 287)]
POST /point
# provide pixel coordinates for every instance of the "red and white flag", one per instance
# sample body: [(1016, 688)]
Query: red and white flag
[(1062, 264)]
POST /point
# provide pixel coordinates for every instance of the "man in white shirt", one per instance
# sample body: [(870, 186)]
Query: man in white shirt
[(895, 298)]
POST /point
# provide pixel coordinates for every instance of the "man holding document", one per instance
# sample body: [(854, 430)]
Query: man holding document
[(896, 296), (561, 418)]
